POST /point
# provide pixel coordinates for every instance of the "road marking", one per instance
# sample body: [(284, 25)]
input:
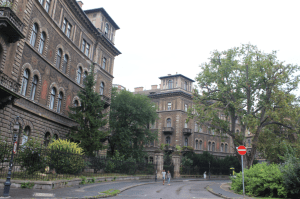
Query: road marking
[(44, 194)]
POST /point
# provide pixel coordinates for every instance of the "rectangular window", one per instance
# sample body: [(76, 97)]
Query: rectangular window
[(47, 5), (87, 50), (104, 63), (83, 45), (64, 25), (169, 106), (69, 30)]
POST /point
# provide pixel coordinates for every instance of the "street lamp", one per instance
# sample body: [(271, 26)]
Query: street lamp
[(8, 183), (209, 170), (156, 170)]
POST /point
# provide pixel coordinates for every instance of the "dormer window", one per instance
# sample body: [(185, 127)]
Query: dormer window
[(185, 86)]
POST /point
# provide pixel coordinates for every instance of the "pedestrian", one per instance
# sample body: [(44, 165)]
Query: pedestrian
[(164, 176), (169, 177), (204, 175)]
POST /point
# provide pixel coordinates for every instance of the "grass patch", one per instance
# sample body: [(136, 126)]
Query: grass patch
[(111, 192)]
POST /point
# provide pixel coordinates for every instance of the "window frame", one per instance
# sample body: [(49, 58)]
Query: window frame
[(79, 72), (52, 98), (34, 32), (104, 63), (34, 83), (47, 5), (59, 101), (42, 43), (101, 89), (58, 58), (26, 75), (169, 122), (170, 84), (169, 106)]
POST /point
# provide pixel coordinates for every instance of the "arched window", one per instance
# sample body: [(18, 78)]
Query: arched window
[(196, 144), (46, 139), (25, 135), (76, 103), (58, 59), (200, 145), (226, 146), (79, 71), (65, 64), (42, 42), (185, 86), (106, 29), (170, 84), (33, 34), (33, 87), (186, 141), (169, 124), (222, 147), (60, 97), (168, 140), (47, 5), (104, 63), (52, 98), (196, 127), (213, 146), (55, 136), (209, 146), (25, 82), (101, 88), (84, 76)]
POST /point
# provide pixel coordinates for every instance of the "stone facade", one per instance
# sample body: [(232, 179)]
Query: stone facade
[(173, 99), (43, 69)]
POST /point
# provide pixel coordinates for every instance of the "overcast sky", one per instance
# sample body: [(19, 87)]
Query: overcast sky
[(160, 37)]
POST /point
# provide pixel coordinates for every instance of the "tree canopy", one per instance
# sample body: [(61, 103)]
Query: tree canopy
[(90, 116), (130, 116), (244, 84)]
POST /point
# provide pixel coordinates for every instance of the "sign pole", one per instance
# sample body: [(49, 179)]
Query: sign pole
[(243, 177)]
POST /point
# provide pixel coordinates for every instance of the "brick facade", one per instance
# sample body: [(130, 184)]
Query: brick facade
[(59, 58), (172, 99)]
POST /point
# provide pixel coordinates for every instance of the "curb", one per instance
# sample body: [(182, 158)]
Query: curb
[(216, 194)]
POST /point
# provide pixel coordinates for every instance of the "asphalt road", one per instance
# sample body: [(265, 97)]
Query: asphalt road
[(177, 190)]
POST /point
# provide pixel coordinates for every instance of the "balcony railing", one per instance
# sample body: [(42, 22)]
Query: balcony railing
[(11, 25), (187, 131), (168, 130), (8, 83)]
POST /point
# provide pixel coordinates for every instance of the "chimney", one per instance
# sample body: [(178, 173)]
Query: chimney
[(153, 87), (80, 3), (169, 74), (137, 89)]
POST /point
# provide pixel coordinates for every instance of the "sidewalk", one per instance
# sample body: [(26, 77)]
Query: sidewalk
[(83, 191)]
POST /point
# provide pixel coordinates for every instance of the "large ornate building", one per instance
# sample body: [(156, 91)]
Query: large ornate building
[(46, 50), (173, 99)]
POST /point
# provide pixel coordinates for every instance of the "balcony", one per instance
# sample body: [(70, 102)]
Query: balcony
[(187, 131), (106, 101), (11, 25), (168, 130), (8, 89)]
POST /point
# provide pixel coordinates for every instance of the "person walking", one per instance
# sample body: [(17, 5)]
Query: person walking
[(169, 177), (164, 176)]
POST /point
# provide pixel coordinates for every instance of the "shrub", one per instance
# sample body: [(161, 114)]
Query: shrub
[(291, 171), (30, 156), (261, 180), (5, 152), (66, 157)]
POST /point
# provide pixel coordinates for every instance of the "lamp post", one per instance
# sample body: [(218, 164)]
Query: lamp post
[(8, 183), (209, 170), (156, 170)]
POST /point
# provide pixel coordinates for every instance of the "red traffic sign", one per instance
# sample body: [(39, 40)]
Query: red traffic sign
[(242, 150)]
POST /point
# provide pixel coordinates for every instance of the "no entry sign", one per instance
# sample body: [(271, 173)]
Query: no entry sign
[(242, 150)]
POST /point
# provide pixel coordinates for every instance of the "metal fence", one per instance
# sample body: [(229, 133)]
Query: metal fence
[(199, 170), (46, 164)]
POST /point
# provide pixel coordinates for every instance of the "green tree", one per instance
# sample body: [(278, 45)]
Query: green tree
[(246, 85), (130, 116), (90, 116)]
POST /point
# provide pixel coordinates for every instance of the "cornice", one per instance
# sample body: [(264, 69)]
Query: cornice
[(168, 94), (108, 44)]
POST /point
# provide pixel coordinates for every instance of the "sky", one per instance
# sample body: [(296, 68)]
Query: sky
[(161, 37)]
